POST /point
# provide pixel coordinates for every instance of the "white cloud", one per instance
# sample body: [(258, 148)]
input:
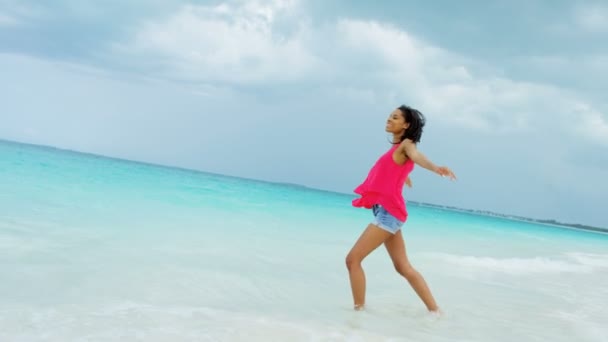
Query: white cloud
[(453, 89), (591, 123), (6, 20), (593, 18), (226, 43), (266, 44)]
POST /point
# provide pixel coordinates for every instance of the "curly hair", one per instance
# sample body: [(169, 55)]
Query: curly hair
[(416, 121)]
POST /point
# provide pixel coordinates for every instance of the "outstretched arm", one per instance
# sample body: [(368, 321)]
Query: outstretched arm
[(419, 158)]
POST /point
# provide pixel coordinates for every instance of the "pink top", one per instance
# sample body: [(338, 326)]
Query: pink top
[(384, 185)]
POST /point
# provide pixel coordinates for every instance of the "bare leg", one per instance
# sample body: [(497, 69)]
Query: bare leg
[(369, 240), (395, 247)]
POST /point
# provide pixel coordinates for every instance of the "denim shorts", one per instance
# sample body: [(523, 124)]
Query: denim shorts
[(385, 220)]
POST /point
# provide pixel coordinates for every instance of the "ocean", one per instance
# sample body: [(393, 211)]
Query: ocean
[(100, 249)]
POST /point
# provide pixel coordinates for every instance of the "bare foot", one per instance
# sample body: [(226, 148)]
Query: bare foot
[(436, 313)]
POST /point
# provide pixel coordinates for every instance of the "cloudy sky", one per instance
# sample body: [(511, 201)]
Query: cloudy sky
[(299, 91)]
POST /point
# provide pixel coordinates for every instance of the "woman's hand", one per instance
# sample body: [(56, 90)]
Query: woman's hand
[(444, 171)]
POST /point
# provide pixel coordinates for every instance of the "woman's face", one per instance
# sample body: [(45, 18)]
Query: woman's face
[(396, 122)]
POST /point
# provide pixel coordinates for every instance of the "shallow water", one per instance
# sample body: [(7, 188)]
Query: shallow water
[(103, 250)]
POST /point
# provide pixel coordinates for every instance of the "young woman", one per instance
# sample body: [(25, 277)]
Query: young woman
[(382, 192)]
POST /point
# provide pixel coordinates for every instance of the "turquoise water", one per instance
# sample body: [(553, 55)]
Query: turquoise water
[(99, 249)]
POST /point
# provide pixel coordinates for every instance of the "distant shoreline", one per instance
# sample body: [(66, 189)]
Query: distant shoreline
[(549, 222)]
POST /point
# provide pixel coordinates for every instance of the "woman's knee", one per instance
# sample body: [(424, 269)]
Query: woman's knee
[(352, 261), (406, 270)]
